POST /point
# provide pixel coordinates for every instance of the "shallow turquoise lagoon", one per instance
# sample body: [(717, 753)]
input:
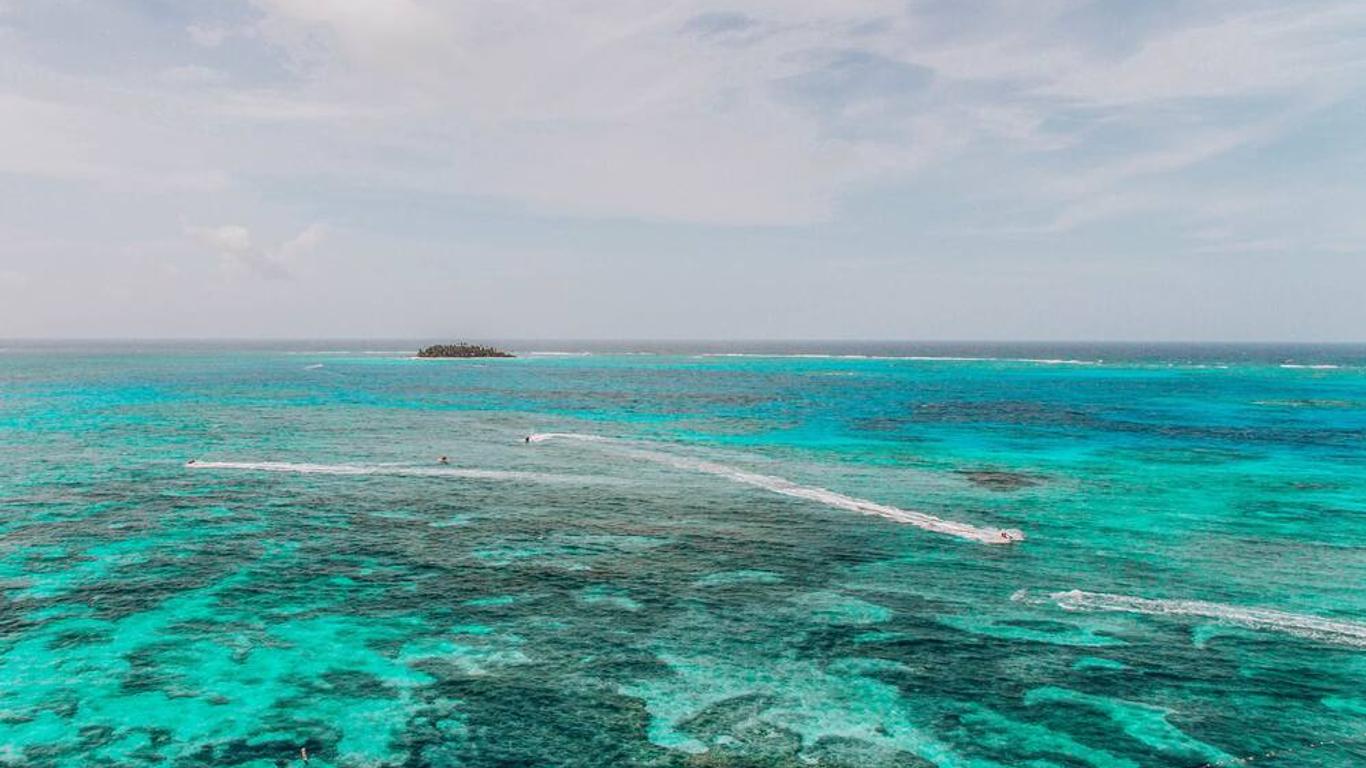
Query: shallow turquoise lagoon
[(738, 555)]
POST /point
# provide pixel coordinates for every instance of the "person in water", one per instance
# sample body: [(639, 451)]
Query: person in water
[(442, 460), (528, 439), (192, 461)]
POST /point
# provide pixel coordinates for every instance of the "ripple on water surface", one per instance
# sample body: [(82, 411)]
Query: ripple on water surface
[(753, 569)]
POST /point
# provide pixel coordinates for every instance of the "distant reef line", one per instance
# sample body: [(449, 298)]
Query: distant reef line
[(462, 350)]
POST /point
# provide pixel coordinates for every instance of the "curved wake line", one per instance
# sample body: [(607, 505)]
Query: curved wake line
[(811, 493), (541, 437), (1303, 625), (395, 471)]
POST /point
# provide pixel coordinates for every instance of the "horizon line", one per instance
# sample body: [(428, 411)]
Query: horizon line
[(670, 340)]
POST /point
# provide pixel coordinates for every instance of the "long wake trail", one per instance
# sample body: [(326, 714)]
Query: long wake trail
[(786, 487), (394, 470), (1303, 625)]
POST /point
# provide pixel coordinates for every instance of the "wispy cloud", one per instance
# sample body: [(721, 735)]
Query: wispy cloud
[(235, 246), (621, 110), (920, 130), (209, 35)]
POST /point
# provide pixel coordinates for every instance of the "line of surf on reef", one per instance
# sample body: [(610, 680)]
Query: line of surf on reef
[(917, 358), (779, 485)]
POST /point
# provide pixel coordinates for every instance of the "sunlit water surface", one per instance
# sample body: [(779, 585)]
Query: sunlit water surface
[(783, 558)]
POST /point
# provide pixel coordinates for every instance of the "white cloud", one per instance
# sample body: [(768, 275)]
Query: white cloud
[(304, 242), (600, 110), (922, 131), (208, 35), (191, 74), (1258, 52), (231, 239), (751, 112), (46, 138), (13, 279), (235, 246), (676, 112)]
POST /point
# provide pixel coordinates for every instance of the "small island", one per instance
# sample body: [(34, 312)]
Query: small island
[(461, 350)]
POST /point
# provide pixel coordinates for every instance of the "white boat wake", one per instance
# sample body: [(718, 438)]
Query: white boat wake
[(1302, 625), (788, 488), (397, 470)]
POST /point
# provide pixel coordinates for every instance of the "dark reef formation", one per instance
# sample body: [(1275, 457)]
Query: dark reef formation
[(997, 480), (461, 350)]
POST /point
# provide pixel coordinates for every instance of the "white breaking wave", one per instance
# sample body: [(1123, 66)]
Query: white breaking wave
[(348, 352), (1320, 367), (1302, 625), (1038, 360), (811, 493), (920, 358), (395, 470), (313, 367), (796, 355)]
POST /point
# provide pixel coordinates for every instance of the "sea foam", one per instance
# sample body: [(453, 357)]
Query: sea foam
[(1302, 625), (811, 493), (1317, 367), (918, 358)]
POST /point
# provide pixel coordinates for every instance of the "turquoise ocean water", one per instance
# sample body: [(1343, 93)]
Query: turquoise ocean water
[(702, 558)]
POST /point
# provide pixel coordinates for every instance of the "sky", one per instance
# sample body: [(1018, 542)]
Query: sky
[(753, 169)]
